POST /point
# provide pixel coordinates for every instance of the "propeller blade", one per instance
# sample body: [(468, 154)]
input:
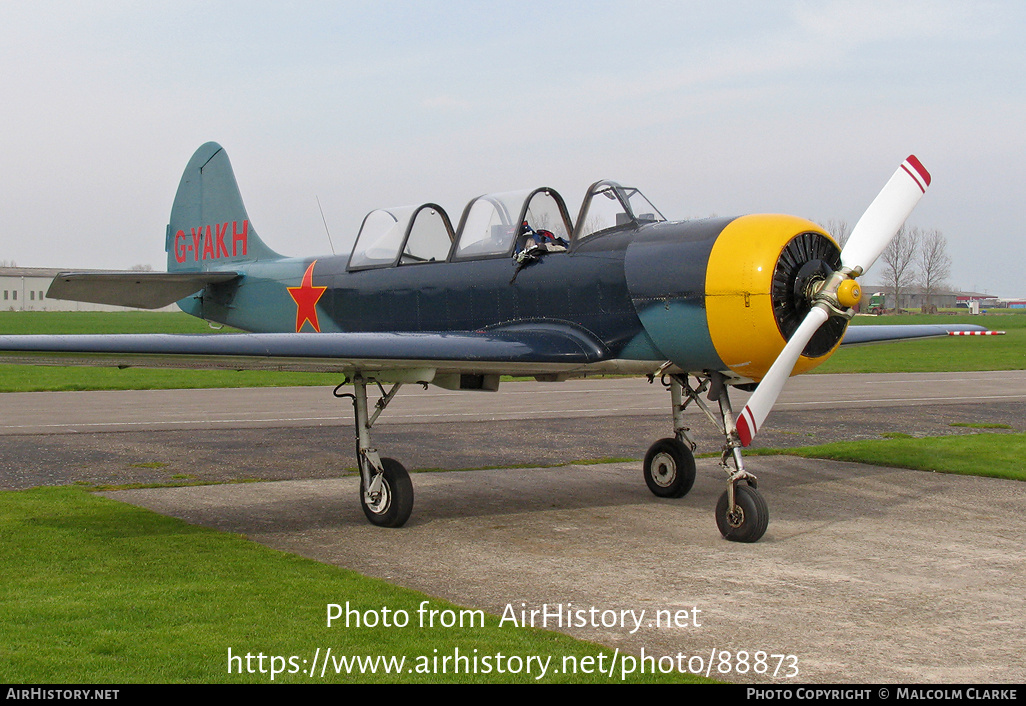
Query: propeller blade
[(870, 237), (765, 395), (885, 215)]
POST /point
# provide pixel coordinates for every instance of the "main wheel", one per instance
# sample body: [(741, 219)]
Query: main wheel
[(669, 468), (750, 518), (393, 505)]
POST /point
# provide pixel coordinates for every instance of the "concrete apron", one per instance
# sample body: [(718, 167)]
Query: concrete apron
[(866, 574)]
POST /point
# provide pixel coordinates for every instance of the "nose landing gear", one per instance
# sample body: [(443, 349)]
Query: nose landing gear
[(669, 469)]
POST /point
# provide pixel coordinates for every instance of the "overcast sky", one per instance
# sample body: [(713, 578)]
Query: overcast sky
[(727, 108)]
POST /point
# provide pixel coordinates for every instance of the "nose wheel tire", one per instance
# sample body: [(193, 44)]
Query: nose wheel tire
[(669, 468), (391, 507), (748, 521)]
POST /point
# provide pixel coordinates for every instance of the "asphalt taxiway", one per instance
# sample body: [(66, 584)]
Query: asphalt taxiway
[(158, 410), (160, 436)]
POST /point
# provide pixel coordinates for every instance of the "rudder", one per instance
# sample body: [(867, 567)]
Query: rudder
[(209, 226)]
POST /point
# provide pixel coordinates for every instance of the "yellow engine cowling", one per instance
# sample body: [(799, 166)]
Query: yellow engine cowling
[(759, 279)]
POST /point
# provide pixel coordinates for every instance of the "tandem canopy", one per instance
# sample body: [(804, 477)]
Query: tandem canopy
[(491, 224)]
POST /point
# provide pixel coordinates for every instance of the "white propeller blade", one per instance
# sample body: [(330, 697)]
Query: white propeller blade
[(869, 238), (765, 395), (885, 215)]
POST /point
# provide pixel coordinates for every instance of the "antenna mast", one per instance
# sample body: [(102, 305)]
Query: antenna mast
[(325, 222)]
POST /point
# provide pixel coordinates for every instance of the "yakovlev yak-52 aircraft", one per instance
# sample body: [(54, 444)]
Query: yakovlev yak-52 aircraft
[(517, 289)]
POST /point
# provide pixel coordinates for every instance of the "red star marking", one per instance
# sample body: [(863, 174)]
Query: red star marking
[(306, 297)]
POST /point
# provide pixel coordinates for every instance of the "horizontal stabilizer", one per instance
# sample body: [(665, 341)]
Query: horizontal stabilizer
[(142, 290)]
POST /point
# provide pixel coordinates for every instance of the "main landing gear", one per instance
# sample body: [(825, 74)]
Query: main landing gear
[(741, 513), (386, 492)]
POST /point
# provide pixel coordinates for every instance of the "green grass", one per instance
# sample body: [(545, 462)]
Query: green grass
[(96, 591), (948, 354), (35, 378), (71, 322), (990, 455)]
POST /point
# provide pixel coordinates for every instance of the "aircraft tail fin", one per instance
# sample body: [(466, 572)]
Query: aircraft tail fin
[(209, 226)]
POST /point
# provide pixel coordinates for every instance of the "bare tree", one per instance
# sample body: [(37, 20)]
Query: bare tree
[(839, 229), (8, 263), (141, 268), (934, 265), (899, 261)]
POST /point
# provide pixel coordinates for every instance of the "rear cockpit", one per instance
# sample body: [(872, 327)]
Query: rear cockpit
[(495, 225), (402, 236)]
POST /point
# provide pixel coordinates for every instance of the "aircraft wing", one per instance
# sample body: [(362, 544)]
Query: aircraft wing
[(880, 334), (521, 350), (529, 351)]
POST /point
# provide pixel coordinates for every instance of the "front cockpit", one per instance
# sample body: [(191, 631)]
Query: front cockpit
[(494, 225), (608, 206)]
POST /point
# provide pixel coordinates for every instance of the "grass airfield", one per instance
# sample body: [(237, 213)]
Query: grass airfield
[(102, 592), (955, 353)]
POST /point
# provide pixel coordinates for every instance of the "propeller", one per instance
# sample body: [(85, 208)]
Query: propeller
[(839, 292)]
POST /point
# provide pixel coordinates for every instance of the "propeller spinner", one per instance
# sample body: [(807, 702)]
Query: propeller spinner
[(840, 291)]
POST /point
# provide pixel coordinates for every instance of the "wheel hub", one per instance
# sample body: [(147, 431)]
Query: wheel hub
[(664, 470), (736, 517), (379, 502)]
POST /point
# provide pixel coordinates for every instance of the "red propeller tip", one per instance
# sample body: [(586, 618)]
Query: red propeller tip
[(917, 171), (744, 431)]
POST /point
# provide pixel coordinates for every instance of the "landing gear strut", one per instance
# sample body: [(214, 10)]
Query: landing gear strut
[(386, 492), (741, 513), (670, 463)]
